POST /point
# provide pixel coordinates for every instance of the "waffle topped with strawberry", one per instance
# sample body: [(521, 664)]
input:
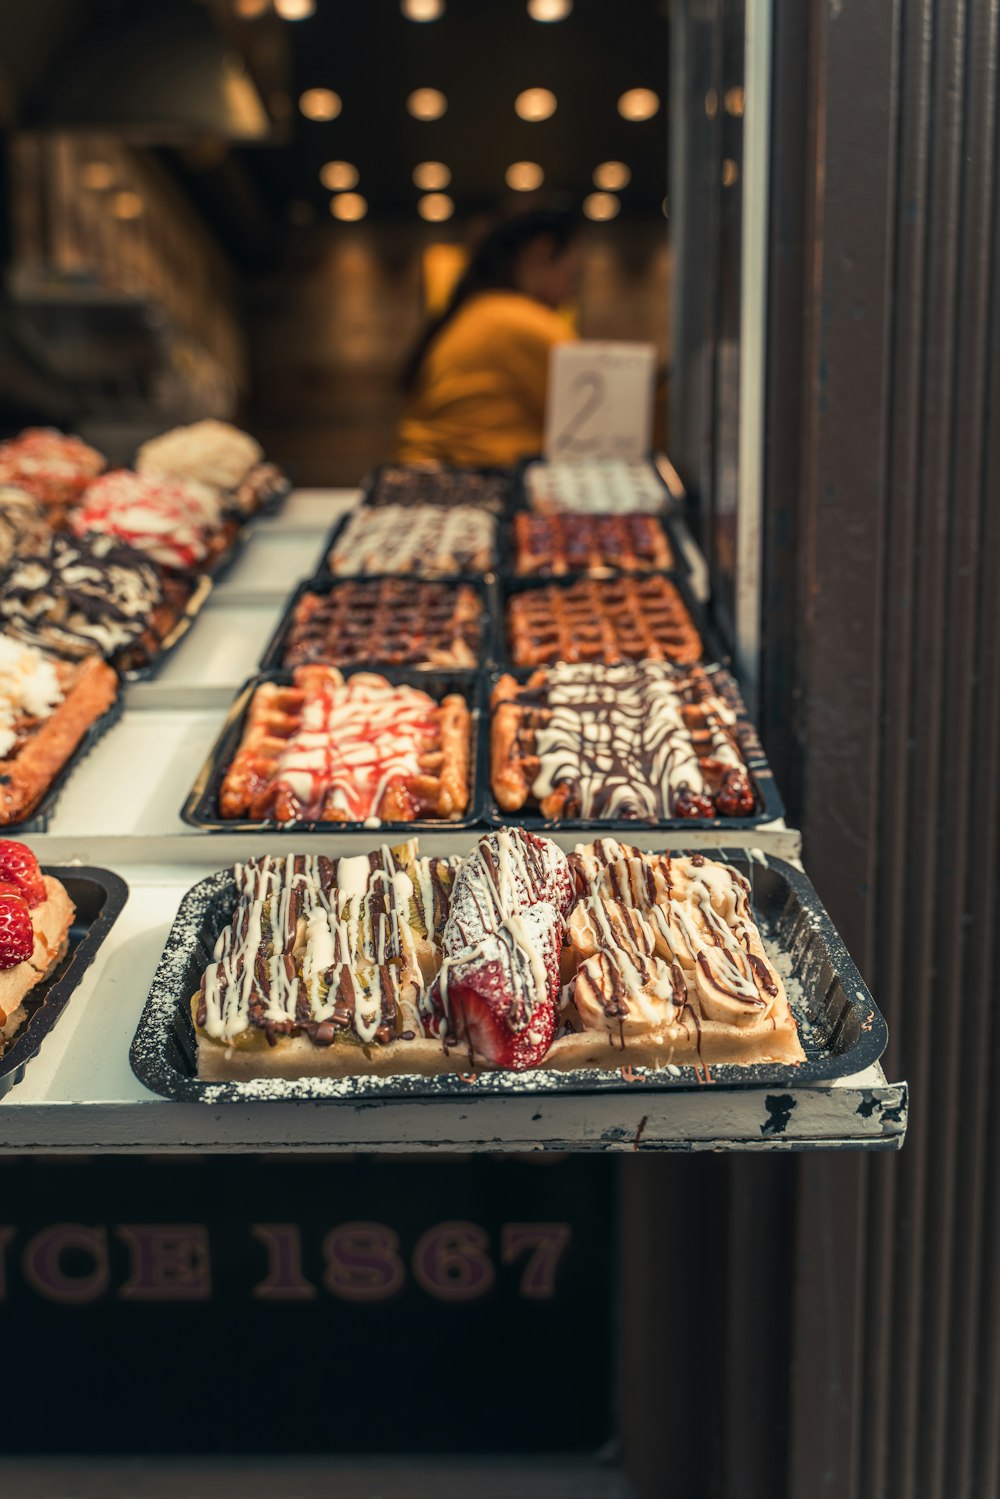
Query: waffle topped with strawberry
[(36, 914)]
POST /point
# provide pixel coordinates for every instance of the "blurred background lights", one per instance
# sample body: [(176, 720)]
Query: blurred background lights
[(601, 206), (349, 207), (295, 10), (734, 101), (431, 176), (435, 207), (320, 104), (549, 10), (427, 104), (535, 104), (730, 172), (422, 10), (249, 10), (338, 176), (638, 104), (524, 176), (612, 176), (126, 205), (97, 176)]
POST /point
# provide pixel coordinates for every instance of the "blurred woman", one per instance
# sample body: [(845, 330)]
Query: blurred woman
[(476, 382)]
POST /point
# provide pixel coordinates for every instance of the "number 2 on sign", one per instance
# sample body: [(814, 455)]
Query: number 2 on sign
[(590, 385)]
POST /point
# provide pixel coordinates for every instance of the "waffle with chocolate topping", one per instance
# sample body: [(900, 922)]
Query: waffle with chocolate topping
[(643, 740), (323, 965), (431, 539), (602, 619), (395, 621), (325, 748), (666, 965), (432, 484), (548, 546)]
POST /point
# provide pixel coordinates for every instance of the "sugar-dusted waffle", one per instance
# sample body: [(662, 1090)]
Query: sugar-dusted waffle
[(36, 914), (548, 546), (333, 749), (323, 965), (666, 965), (394, 621), (431, 484), (219, 455), (643, 740), (431, 539), (598, 485), (46, 707), (53, 467), (602, 619)]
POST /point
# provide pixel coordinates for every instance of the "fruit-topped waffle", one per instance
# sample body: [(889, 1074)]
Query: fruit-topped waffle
[(644, 741), (51, 466), (325, 748), (35, 919), (176, 522)]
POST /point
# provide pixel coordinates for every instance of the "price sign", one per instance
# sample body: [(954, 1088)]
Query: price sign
[(600, 401)]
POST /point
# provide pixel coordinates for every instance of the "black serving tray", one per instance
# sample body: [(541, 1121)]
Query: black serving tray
[(38, 820), (770, 806), (504, 475), (99, 897), (713, 649), (342, 521), (840, 1027), (203, 585), (273, 657), (201, 808)]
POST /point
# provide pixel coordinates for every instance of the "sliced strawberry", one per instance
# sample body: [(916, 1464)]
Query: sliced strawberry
[(19, 867), (481, 1024), (17, 937)]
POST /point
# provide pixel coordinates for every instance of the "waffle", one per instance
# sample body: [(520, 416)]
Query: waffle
[(52, 467), (596, 485), (328, 749), (645, 741), (178, 523), (430, 484), (415, 539), (667, 965), (395, 621), (602, 619), (548, 546)]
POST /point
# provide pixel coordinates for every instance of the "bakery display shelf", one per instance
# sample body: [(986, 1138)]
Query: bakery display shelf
[(218, 654), (81, 1095), (271, 564)]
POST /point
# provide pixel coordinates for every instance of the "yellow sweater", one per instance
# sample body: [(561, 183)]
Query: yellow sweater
[(480, 394)]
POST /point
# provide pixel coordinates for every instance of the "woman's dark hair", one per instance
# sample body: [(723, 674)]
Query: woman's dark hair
[(492, 267)]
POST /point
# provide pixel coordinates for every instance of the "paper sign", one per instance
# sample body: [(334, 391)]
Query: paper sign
[(600, 402)]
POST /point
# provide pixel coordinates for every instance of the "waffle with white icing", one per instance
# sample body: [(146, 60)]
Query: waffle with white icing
[(329, 748), (644, 741), (430, 539), (626, 618)]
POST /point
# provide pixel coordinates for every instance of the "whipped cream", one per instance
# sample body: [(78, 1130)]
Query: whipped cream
[(29, 685)]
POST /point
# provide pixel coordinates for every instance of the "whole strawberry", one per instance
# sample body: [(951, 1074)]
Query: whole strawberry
[(17, 937), (19, 867)]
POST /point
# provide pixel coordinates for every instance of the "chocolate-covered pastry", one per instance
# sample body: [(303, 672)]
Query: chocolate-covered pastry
[(23, 527), (80, 597)]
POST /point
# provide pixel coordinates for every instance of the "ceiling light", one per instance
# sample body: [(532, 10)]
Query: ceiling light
[(549, 10), (338, 176), (348, 206), (535, 104), (524, 176), (249, 10), (601, 206), (427, 104), (295, 10), (638, 104), (97, 176), (320, 104), (429, 176), (126, 205), (612, 176), (422, 10), (435, 207)]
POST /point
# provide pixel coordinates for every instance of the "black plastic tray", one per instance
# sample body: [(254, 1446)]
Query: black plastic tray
[(770, 806), (38, 820), (508, 556), (713, 649), (99, 897), (841, 1029), (342, 521), (203, 585), (201, 807), (273, 657), (504, 475)]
